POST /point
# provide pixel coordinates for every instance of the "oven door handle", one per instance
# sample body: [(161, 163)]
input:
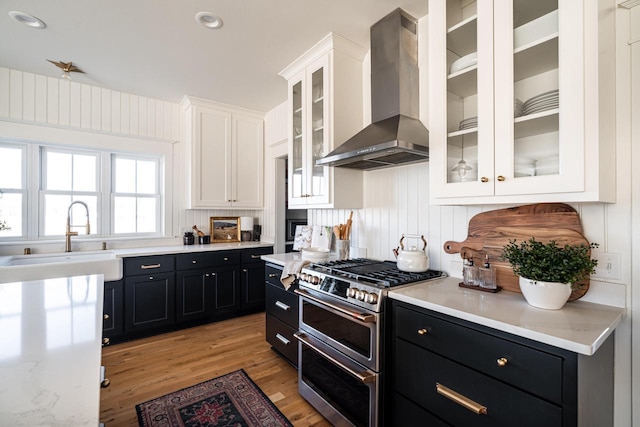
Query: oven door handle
[(365, 318), (365, 377)]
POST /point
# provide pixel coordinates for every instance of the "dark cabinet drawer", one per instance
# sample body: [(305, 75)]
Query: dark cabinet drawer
[(148, 265), (282, 304), (207, 259), (418, 371), (272, 274), (255, 254), (280, 336), (527, 368), (407, 413)]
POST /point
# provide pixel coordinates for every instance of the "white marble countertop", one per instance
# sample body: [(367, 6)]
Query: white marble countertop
[(176, 249), (579, 326), (282, 259), (50, 352)]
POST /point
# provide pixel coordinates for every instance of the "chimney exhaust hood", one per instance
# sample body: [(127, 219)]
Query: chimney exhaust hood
[(396, 136)]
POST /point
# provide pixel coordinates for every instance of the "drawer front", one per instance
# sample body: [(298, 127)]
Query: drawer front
[(418, 371), (255, 254), (282, 304), (195, 260), (272, 275), (406, 413), (280, 336), (148, 265), (533, 370)]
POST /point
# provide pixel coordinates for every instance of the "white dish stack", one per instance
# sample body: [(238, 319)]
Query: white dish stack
[(543, 102)]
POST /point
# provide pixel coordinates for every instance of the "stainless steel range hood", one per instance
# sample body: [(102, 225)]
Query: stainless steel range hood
[(396, 136)]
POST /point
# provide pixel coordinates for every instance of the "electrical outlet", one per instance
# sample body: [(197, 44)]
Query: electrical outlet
[(608, 265)]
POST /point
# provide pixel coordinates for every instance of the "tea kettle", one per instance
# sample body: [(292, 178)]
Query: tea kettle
[(412, 260)]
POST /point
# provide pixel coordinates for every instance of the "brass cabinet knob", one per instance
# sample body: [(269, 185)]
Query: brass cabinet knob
[(484, 179), (502, 362), (500, 178), (244, 270), (272, 275), (106, 316), (225, 259), (106, 341), (105, 383), (422, 331), (193, 261)]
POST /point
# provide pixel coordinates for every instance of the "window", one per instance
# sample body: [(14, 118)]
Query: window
[(136, 197), (13, 190), (123, 192), (69, 176)]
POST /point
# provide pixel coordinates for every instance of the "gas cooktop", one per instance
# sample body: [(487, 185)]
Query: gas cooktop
[(380, 273)]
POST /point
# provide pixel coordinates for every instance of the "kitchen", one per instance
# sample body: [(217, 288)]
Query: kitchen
[(395, 200)]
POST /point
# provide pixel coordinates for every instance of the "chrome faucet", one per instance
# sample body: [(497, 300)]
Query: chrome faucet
[(70, 233)]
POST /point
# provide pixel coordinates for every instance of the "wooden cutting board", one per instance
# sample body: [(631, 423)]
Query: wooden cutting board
[(539, 215), (495, 241)]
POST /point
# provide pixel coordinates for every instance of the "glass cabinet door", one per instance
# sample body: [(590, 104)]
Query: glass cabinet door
[(465, 61), (538, 101), (318, 144), (296, 159)]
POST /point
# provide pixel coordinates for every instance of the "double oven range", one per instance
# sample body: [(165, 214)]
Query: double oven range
[(341, 336)]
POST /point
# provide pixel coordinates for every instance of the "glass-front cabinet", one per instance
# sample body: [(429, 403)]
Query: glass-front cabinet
[(308, 183), (325, 109), (515, 88)]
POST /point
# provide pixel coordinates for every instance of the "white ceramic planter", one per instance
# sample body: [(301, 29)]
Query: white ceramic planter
[(547, 295)]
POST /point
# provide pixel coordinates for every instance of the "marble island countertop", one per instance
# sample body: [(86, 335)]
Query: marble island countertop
[(50, 351), (579, 326)]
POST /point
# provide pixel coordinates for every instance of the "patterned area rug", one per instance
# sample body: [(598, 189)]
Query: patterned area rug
[(232, 400)]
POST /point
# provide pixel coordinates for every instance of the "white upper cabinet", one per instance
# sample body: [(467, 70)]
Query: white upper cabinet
[(522, 101), (224, 155), (324, 109)]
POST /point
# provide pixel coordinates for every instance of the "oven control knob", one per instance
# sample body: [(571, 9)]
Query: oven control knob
[(304, 277), (360, 295), (351, 292), (371, 298), (314, 280)]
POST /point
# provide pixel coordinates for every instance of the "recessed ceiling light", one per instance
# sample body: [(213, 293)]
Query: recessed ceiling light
[(26, 19), (209, 20)]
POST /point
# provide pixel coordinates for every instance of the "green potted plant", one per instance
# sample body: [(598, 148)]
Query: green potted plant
[(548, 272)]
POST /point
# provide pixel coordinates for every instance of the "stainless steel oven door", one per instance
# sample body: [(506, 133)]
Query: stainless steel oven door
[(343, 391), (347, 328)]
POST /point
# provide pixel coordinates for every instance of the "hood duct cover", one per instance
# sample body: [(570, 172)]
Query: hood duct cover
[(396, 136)]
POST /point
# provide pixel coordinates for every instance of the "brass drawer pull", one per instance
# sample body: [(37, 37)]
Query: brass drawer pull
[(422, 331), (282, 306), (502, 362), (147, 267), (461, 400), (255, 256)]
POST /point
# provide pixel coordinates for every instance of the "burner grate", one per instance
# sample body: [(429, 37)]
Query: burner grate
[(382, 273)]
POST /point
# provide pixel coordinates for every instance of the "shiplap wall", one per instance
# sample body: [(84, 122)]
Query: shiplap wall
[(33, 98)]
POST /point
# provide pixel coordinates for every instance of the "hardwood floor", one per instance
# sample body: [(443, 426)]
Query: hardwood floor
[(147, 368)]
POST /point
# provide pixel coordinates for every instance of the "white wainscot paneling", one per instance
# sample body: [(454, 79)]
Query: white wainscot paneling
[(27, 97)]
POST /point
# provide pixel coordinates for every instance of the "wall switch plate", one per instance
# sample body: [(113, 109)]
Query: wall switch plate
[(608, 265)]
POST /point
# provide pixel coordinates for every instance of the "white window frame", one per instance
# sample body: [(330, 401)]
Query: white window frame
[(158, 195), (24, 190), (99, 193), (34, 137)]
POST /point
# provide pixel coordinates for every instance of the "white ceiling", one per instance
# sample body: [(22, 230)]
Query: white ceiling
[(155, 48)]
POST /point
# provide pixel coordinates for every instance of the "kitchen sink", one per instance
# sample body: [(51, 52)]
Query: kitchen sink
[(19, 268)]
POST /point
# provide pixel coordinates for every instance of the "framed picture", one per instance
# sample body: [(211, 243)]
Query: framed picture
[(224, 229)]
